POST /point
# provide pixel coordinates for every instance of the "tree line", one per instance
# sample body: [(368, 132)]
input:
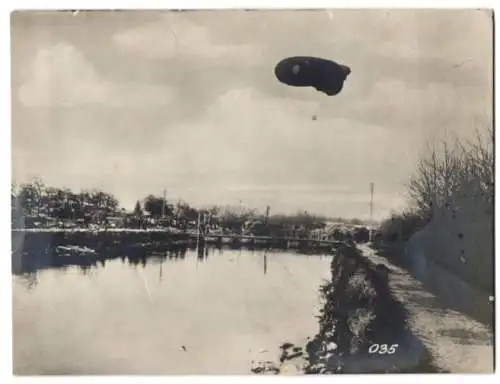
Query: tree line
[(449, 175), (36, 200), (452, 192)]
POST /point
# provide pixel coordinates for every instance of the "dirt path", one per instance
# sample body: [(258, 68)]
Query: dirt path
[(459, 343)]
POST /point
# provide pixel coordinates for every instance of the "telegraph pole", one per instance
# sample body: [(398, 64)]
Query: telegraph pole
[(370, 232), (372, 187), (163, 205), (163, 225)]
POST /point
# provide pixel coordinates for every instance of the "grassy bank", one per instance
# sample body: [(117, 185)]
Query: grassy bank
[(363, 328)]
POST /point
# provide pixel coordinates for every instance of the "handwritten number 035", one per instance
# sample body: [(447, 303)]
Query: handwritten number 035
[(383, 349)]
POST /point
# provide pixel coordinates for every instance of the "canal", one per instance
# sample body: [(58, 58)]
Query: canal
[(190, 313)]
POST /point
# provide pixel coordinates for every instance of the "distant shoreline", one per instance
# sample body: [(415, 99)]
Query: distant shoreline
[(40, 248), (70, 230)]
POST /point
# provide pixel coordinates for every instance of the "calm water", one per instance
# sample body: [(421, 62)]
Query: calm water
[(228, 309)]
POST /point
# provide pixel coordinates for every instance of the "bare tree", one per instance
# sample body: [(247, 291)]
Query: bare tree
[(31, 195), (445, 173)]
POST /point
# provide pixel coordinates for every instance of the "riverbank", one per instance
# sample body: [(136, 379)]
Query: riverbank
[(44, 240), (377, 318), (34, 250), (363, 327), (97, 230)]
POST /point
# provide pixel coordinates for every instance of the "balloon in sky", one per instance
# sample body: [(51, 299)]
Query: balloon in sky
[(304, 71)]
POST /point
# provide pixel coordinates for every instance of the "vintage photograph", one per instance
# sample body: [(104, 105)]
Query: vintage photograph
[(282, 192)]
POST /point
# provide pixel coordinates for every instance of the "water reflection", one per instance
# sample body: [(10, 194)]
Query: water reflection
[(92, 313), (29, 280), (85, 270), (27, 264)]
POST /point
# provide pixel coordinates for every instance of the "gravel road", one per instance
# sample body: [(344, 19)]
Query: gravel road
[(458, 343)]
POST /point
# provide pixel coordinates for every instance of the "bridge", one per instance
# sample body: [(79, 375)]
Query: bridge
[(266, 240), (126, 235)]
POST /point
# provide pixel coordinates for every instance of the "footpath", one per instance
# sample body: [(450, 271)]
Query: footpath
[(458, 343)]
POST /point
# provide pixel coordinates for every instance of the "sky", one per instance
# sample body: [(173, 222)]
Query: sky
[(134, 102)]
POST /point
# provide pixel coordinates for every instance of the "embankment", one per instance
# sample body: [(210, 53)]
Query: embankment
[(36, 241), (362, 327), (441, 263), (102, 239), (33, 250), (453, 258)]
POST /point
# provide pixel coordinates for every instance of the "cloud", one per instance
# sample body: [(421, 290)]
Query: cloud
[(420, 110), (259, 139), (61, 75), (233, 131), (415, 46), (174, 36), (244, 125)]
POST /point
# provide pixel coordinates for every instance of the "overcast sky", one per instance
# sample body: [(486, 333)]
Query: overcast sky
[(134, 102)]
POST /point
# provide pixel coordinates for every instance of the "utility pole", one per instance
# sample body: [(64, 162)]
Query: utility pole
[(164, 204), (268, 210), (372, 187), (198, 231), (370, 232)]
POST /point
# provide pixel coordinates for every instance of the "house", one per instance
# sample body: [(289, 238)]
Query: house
[(39, 221), (115, 221)]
